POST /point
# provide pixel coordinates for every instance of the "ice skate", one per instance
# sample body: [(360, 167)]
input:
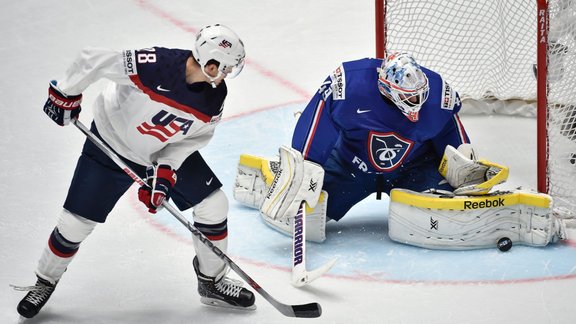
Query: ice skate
[(36, 297), (224, 292)]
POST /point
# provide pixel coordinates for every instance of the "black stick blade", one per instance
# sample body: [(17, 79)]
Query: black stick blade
[(311, 310)]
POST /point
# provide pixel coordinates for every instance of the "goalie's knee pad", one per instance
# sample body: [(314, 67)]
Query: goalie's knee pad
[(315, 221), (436, 221)]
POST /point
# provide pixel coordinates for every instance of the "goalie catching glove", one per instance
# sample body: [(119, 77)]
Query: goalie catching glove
[(467, 175), (160, 179)]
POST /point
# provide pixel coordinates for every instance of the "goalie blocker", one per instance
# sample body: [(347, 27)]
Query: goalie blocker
[(436, 220), (277, 187)]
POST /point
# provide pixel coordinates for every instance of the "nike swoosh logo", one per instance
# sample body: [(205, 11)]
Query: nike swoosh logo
[(362, 111), (209, 181), (159, 88)]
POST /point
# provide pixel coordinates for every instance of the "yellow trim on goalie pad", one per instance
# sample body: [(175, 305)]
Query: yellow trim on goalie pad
[(321, 199), (259, 163), (500, 177), (251, 161), (502, 199)]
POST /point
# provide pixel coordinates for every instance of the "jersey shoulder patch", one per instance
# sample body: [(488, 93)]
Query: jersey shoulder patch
[(450, 98), (338, 85), (129, 62)]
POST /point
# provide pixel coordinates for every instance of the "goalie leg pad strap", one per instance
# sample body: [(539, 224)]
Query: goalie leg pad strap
[(295, 181), (469, 222), (315, 221)]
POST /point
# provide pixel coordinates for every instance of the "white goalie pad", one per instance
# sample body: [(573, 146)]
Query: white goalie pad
[(253, 178), (445, 221), (315, 221), (467, 175), (295, 181)]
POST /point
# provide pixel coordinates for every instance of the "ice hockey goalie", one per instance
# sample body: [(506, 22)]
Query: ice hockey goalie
[(472, 216)]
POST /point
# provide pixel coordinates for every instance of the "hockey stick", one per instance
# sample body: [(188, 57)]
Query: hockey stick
[(310, 310), (300, 276)]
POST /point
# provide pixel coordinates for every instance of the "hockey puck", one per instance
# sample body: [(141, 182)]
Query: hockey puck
[(504, 244)]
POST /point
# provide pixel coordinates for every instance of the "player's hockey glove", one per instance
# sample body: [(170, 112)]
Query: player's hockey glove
[(160, 179), (60, 107)]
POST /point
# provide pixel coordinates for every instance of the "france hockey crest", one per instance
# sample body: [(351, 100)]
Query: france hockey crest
[(387, 150)]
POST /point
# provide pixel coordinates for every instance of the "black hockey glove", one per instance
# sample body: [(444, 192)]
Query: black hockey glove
[(60, 107)]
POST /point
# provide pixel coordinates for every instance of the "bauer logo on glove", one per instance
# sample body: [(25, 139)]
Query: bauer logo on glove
[(60, 107)]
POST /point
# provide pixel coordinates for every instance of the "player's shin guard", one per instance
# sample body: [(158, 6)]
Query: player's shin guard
[(210, 219), (209, 263), (56, 257), (62, 245)]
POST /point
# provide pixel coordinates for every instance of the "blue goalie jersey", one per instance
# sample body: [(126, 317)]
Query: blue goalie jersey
[(349, 117)]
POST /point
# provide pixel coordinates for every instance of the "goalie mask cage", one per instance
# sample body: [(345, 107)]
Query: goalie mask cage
[(503, 50)]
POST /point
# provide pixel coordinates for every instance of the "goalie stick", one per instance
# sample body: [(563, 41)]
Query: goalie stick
[(310, 310), (300, 276)]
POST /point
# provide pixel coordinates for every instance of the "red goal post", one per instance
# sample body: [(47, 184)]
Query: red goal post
[(500, 50)]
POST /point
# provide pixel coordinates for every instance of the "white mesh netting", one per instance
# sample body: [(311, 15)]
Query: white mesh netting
[(487, 50)]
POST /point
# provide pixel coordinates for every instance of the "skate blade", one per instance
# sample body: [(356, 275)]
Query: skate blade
[(22, 319), (218, 303)]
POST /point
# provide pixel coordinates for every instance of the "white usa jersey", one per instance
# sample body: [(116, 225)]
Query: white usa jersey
[(148, 113)]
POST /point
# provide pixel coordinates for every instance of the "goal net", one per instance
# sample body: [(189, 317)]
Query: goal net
[(514, 50)]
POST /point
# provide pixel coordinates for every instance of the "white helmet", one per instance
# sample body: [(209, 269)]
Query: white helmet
[(401, 80), (219, 43)]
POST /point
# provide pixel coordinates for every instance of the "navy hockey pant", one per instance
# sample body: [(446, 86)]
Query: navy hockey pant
[(98, 183)]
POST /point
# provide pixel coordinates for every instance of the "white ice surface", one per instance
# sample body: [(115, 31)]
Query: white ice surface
[(137, 269)]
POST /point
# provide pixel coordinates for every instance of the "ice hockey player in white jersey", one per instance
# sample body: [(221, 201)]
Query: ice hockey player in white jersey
[(390, 126), (161, 108)]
